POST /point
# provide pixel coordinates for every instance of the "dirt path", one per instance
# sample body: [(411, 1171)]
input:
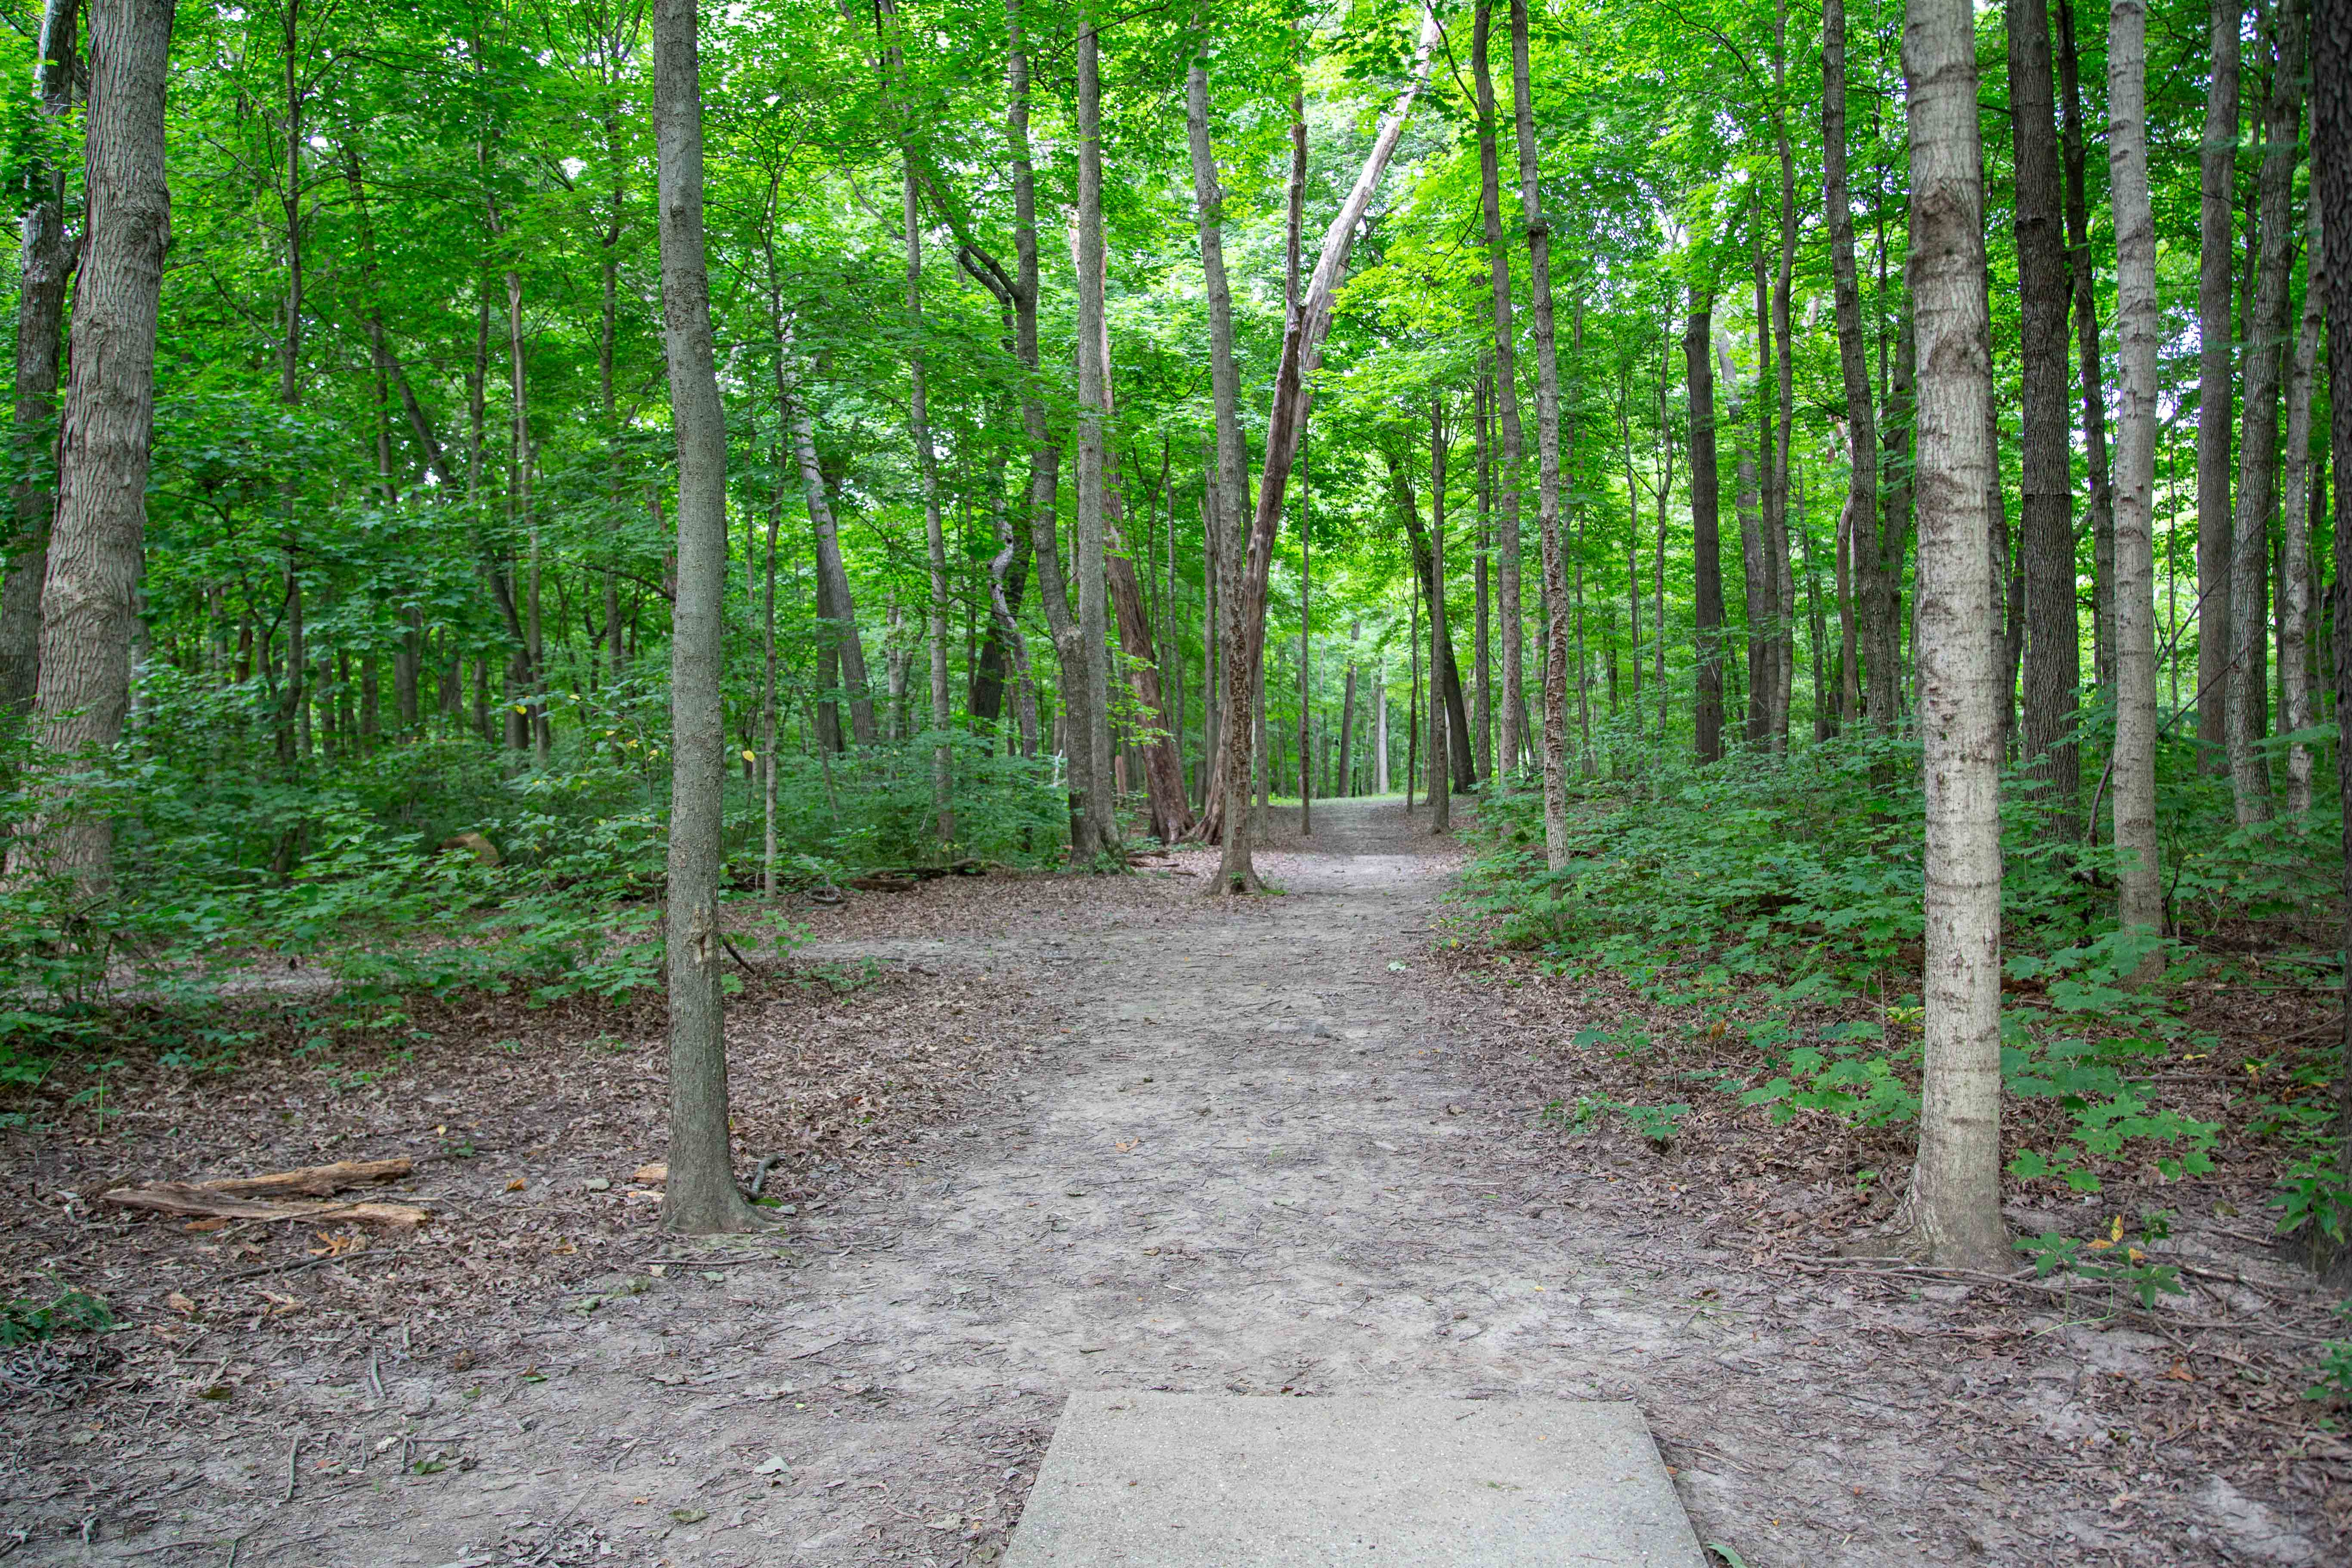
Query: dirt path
[(1253, 1161)]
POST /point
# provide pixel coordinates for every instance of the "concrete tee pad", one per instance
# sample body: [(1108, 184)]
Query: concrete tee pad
[(1181, 1481)]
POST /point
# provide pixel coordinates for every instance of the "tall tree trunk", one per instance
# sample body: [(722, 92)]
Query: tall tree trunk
[(1381, 726), (2331, 164), (1441, 646), (1044, 454), (2297, 516), (700, 1195), (45, 263), (1705, 503), (2138, 334), (2082, 282), (1955, 1196), (1755, 573), (90, 593), (1302, 345), (1306, 610), (1509, 473), (1345, 785), (1548, 442), (1776, 445), (2266, 336), (1227, 502), (2216, 254), (1483, 641), (2053, 665), (1098, 811)]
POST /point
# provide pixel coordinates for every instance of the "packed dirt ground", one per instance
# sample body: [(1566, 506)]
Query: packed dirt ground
[(1046, 1134)]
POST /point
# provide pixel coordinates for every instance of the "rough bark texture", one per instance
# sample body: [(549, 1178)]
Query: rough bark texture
[(1555, 566), (1506, 392), (2297, 515), (2266, 334), (45, 262), (2331, 163), (700, 1195), (2140, 897), (89, 597), (2053, 665), (1955, 1196), (1706, 506), (1441, 649), (2215, 339)]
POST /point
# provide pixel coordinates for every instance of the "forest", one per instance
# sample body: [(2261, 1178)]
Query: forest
[(555, 506)]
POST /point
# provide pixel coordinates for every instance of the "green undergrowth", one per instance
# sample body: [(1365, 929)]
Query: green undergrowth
[(1771, 912), (431, 866)]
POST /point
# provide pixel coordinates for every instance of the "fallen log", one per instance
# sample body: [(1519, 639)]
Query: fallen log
[(314, 1181), (251, 1197), (188, 1200)]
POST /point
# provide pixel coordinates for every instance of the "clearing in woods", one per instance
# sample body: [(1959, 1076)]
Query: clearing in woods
[(1258, 1151)]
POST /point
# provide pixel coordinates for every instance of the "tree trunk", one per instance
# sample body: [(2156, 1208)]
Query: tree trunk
[(1706, 502), (2266, 336), (90, 592), (2053, 666), (1098, 812), (2086, 333), (2139, 335), (2216, 254), (700, 1195), (2296, 520), (1306, 608), (2331, 164), (834, 604), (1776, 435), (1345, 785), (1380, 727), (1955, 1196), (1227, 486), (1506, 392), (44, 264), (1441, 746), (1483, 631), (1548, 438), (1044, 454)]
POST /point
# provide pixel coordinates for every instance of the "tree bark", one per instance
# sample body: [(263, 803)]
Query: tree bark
[(2215, 336), (44, 264), (89, 596), (1778, 432), (1450, 705), (1507, 393), (700, 1195), (2266, 337), (1346, 784), (2054, 666), (1955, 1196), (1441, 746), (1705, 503), (1098, 812), (834, 604), (2297, 516), (2139, 335), (1547, 440), (1227, 484), (2331, 164)]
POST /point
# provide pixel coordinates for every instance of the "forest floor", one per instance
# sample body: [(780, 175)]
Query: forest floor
[(1043, 1133)]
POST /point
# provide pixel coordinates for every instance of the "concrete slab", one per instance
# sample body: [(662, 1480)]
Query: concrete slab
[(1182, 1480)]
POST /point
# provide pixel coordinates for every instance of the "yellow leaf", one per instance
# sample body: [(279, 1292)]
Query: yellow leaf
[(2116, 1233), (750, 758)]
